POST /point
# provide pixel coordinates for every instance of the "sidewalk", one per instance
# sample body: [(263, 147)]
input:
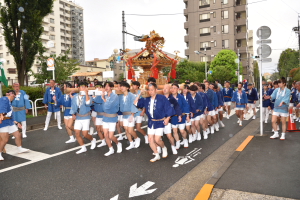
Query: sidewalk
[(39, 122), (266, 169)]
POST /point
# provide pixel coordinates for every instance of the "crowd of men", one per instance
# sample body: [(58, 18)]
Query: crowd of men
[(180, 112)]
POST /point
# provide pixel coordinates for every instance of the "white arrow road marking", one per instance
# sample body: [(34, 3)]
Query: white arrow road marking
[(142, 190), (115, 197)]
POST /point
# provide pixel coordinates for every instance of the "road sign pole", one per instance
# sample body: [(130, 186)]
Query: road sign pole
[(260, 88), (53, 73)]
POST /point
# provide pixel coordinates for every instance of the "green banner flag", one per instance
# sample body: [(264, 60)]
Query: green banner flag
[(2, 75)]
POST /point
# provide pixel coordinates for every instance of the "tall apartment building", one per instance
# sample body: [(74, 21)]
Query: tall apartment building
[(213, 25), (64, 27)]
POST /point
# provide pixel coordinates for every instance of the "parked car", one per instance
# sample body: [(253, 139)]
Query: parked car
[(34, 84)]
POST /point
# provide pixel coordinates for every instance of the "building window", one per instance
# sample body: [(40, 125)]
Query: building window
[(205, 46), (225, 1), (225, 28), (7, 62), (214, 28), (1, 55), (224, 14), (215, 43), (214, 14), (51, 20), (204, 3), (52, 37), (1, 47), (204, 17), (0, 38), (225, 44), (204, 31), (52, 28), (214, 1)]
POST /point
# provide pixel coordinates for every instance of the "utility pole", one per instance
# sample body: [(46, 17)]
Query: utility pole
[(299, 39), (238, 66), (123, 38), (205, 63)]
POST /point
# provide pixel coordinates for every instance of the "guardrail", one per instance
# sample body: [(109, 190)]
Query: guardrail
[(35, 107), (32, 108)]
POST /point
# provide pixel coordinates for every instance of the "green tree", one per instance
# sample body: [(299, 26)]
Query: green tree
[(194, 71), (64, 67), (224, 67), (275, 76), (21, 21), (121, 77), (288, 60)]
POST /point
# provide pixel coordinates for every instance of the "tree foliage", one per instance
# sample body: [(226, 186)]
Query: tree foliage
[(288, 60), (224, 68), (275, 76), (194, 71), (64, 67), (21, 21)]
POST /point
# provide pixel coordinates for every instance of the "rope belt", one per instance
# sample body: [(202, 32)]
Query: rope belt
[(5, 118), (126, 113), (16, 109), (67, 107), (100, 113), (87, 114), (157, 120), (110, 115), (227, 97), (51, 103)]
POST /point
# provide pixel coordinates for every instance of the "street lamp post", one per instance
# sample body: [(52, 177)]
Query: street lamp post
[(198, 53)]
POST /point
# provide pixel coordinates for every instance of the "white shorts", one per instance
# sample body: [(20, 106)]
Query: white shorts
[(120, 118), (111, 126), (180, 126), (188, 123), (158, 131), (291, 105), (94, 114), (212, 113), (82, 125), (167, 129), (251, 105), (67, 117), (227, 103), (9, 129), (239, 108), (279, 114), (99, 121), (127, 123), (138, 119), (220, 109)]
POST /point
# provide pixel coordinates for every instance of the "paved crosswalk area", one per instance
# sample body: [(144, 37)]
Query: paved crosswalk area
[(52, 170)]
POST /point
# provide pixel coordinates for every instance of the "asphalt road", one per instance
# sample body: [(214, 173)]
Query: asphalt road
[(55, 172)]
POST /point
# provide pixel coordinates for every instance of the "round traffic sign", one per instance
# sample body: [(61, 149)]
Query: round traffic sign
[(50, 62), (263, 32)]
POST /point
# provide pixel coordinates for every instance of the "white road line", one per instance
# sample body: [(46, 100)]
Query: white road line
[(35, 156)]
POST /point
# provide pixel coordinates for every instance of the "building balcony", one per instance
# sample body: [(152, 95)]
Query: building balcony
[(240, 8), (204, 34), (186, 38), (205, 6), (187, 52), (240, 35), (243, 49), (46, 20), (45, 37), (207, 48), (186, 24), (204, 20), (185, 12), (240, 21), (46, 29)]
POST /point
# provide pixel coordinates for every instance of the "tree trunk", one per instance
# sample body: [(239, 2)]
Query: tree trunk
[(21, 76)]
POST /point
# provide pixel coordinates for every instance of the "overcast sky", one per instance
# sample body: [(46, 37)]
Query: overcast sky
[(103, 24)]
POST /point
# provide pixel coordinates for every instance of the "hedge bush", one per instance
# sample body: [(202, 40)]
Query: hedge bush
[(33, 92)]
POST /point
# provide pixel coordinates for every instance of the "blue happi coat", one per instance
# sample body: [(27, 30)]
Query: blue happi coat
[(6, 108), (98, 106), (80, 106), (48, 99), (227, 93), (206, 104), (21, 100), (128, 105), (266, 102), (296, 97), (111, 106), (66, 101), (215, 102), (252, 95), (184, 107), (196, 104), (220, 98), (138, 113), (283, 96), (162, 108), (240, 100)]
